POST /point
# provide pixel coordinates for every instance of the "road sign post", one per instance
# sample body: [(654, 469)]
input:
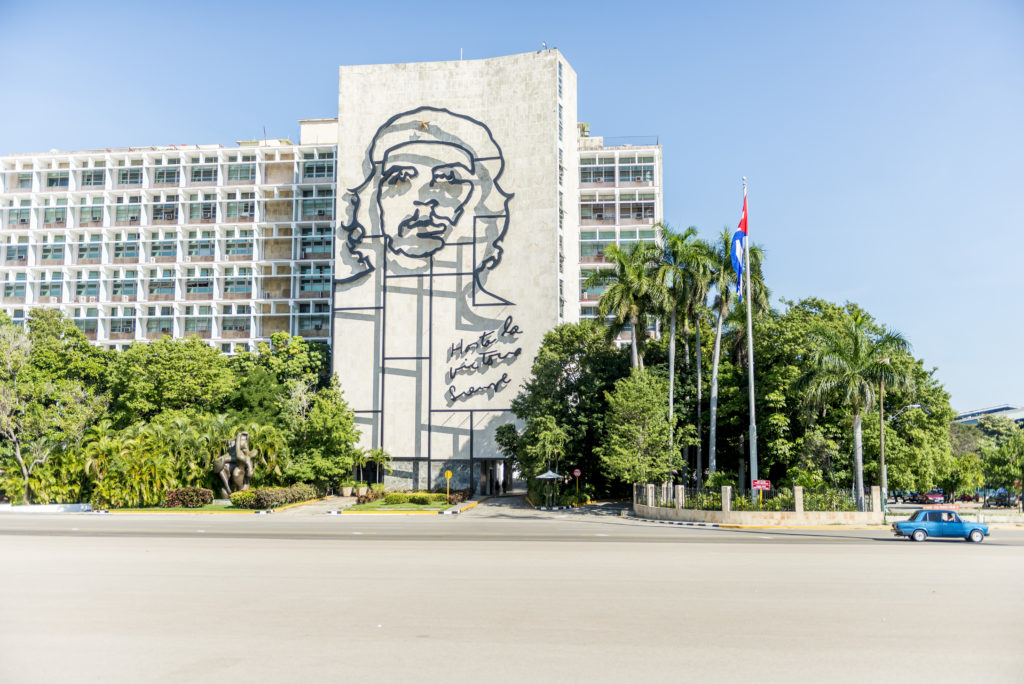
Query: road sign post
[(447, 486), (576, 473)]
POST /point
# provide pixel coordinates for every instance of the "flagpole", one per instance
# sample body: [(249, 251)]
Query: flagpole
[(750, 344)]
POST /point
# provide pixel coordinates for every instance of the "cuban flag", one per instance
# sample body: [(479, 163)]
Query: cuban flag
[(738, 242)]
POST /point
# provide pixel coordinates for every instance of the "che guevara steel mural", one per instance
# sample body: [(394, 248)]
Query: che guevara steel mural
[(423, 235)]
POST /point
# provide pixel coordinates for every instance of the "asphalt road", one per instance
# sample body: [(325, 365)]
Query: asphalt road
[(500, 593)]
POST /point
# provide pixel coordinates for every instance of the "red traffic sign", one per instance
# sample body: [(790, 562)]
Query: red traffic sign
[(762, 484), (577, 472)]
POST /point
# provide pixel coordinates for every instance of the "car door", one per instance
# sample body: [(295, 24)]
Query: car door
[(933, 523), (953, 526)]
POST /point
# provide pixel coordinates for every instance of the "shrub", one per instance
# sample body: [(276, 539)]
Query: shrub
[(377, 488), (188, 497), (420, 499), (456, 496), (572, 498), (396, 498), (272, 497), (245, 499)]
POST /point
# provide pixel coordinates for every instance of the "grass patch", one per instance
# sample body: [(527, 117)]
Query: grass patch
[(379, 505), (155, 509)]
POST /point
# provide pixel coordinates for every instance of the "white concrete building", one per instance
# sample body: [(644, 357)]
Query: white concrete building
[(431, 232), (226, 244), (620, 195)]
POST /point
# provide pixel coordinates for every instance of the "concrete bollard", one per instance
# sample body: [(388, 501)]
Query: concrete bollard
[(798, 499), (726, 499), (650, 495), (679, 497), (876, 500)]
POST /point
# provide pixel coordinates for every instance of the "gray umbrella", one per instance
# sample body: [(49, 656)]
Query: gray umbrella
[(550, 475)]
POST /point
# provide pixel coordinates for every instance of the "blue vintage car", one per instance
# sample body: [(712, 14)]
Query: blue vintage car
[(939, 523)]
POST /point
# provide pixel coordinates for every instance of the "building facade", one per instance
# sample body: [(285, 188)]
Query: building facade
[(432, 233), (230, 245), (620, 195)]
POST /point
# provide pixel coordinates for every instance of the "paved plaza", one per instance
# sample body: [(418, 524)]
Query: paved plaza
[(500, 593)]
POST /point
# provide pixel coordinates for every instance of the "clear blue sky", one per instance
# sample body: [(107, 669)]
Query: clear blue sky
[(884, 142)]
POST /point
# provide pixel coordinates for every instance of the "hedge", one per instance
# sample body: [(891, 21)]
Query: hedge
[(272, 497), (188, 497)]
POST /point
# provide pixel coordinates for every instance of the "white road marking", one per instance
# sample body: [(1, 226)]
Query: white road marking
[(201, 531)]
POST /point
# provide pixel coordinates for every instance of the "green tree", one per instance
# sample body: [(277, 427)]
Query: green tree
[(545, 443), (684, 275), (324, 435), (39, 415), (60, 351), (571, 374), (724, 281), (380, 459), (631, 293), (847, 367), (636, 445), (287, 358), (148, 378)]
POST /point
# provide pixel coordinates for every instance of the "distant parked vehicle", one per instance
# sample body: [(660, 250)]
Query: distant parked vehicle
[(898, 495), (1002, 499), (935, 497), (939, 523), (968, 497)]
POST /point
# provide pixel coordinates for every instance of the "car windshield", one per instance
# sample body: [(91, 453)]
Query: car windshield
[(917, 516)]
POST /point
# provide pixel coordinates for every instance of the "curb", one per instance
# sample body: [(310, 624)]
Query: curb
[(681, 523), (347, 512), (174, 511), (471, 504)]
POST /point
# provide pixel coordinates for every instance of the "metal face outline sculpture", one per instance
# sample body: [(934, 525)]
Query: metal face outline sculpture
[(429, 207), (465, 136)]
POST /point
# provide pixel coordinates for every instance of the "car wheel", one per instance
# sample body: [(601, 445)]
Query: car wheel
[(919, 535), (977, 536)]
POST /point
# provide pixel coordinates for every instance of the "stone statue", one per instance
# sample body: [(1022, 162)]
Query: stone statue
[(236, 466)]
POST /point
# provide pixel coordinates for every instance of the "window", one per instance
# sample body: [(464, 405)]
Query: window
[(161, 286), (129, 177), (128, 212), (318, 169), (244, 209), (16, 253), (122, 326), (204, 174), (166, 176), (559, 81), (125, 286), (93, 178), (52, 253), (20, 216), (202, 211), (636, 174), (88, 288), (128, 249), (164, 248), (241, 172), (167, 210), (91, 249), (320, 207), (91, 213), (52, 288), (598, 174), (236, 323), (238, 247), (58, 214), (25, 181), (200, 247), (57, 180)]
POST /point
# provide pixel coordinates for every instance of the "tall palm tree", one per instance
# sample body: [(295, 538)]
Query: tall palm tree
[(684, 268), (846, 365), (724, 281), (632, 292)]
